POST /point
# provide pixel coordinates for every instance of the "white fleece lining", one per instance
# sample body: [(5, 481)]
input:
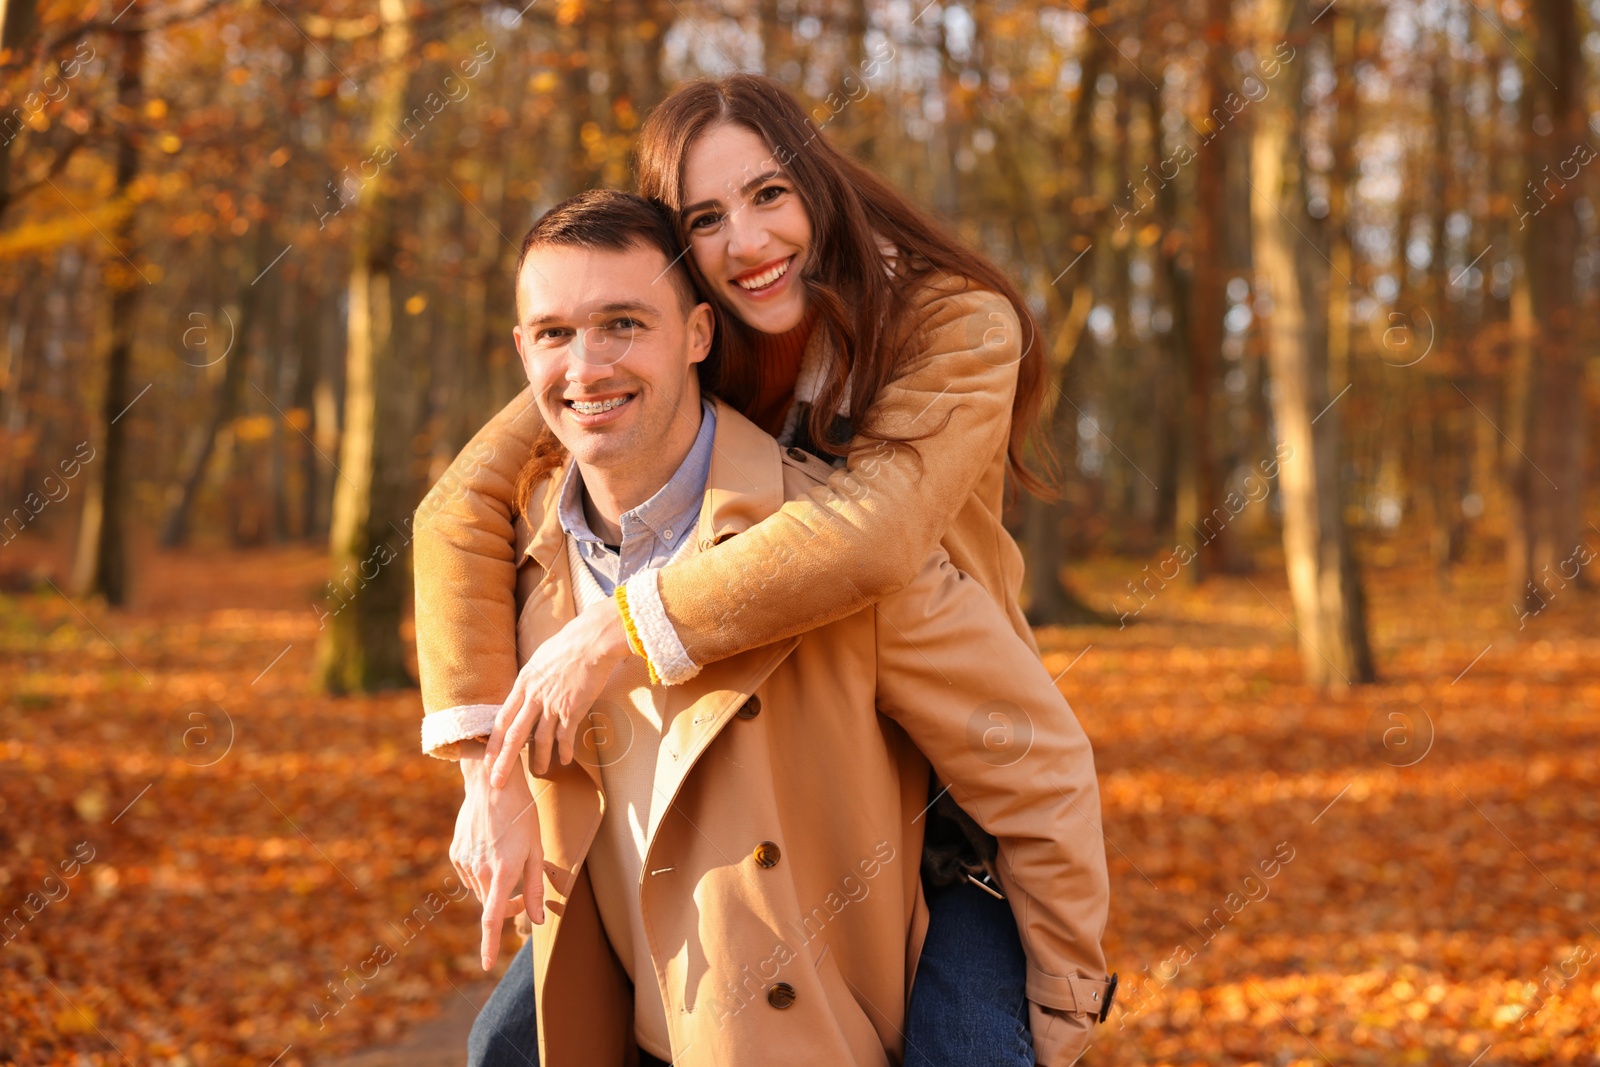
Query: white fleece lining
[(809, 382), (442, 730), (656, 633)]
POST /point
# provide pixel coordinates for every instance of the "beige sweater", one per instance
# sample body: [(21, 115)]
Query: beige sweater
[(632, 709)]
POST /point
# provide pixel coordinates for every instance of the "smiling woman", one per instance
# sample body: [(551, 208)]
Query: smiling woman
[(777, 233), (749, 242)]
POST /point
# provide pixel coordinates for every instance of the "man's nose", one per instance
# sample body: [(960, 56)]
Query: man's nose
[(593, 353)]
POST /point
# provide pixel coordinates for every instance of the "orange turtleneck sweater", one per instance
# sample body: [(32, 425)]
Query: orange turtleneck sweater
[(779, 356)]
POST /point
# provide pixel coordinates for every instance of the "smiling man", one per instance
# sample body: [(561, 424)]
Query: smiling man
[(731, 864)]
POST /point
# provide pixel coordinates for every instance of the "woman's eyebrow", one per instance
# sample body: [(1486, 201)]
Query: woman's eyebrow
[(759, 179)]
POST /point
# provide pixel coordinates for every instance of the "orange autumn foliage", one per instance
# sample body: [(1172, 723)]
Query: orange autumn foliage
[(1401, 875)]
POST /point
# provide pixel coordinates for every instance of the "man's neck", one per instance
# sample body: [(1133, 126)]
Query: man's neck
[(608, 493)]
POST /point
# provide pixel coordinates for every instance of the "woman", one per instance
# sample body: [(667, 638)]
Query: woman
[(830, 286)]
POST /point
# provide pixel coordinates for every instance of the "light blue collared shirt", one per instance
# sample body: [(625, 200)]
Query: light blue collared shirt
[(651, 532)]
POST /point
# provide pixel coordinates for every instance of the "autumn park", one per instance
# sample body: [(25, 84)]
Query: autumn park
[(1316, 286)]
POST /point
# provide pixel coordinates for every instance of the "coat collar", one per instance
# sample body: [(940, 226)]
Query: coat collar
[(744, 486)]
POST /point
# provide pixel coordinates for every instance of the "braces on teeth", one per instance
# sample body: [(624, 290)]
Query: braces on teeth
[(587, 408)]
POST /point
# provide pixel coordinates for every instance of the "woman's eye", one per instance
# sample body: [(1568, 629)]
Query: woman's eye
[(768, 193), (706, 221)]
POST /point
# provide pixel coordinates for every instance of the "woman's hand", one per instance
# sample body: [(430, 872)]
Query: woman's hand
[(496, 843), (556, 689)]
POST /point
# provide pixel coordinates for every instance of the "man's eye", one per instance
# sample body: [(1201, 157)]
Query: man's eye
[(626, 324), (552, 333)]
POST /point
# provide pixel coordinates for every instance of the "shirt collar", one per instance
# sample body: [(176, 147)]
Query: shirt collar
[(673, 507), (744, 485)]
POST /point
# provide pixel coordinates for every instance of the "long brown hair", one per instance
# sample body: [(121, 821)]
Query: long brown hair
[(850, 209)]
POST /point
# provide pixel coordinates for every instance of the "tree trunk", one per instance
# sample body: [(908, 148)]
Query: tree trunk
[(1322, 576), (774, 37), (17, 25), (1071, 296), (101, 566), (1207, 303), (862, 142), (374, 493), (301, 330), (1544, 467), (1443, 466), (175, 529)]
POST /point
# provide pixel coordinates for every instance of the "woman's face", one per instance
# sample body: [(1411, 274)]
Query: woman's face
[(748, 229)]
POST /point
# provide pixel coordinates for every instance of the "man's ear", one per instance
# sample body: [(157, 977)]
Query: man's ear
[(516, 335), (702, 326)]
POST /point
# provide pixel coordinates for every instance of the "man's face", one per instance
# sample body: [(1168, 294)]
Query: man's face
[(610, 353)]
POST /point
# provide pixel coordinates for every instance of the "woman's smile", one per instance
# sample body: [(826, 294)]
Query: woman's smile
[(765, 280)]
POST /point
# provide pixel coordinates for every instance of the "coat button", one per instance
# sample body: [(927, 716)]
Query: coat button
[(767, 856), (751, 708), (797, 455), (781, 995)]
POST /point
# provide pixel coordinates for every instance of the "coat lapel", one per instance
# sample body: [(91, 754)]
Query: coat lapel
[(698, 716)]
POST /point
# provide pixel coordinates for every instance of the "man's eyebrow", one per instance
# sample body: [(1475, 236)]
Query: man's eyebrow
[(617, 306), (765, 176), (612, 308)]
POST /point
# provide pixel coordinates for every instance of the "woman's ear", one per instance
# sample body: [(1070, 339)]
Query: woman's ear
[(702, 326)]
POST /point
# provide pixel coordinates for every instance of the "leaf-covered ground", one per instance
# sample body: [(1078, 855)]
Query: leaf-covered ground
[(203, 863)]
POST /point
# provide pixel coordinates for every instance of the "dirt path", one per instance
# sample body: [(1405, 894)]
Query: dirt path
[(438, 1042)]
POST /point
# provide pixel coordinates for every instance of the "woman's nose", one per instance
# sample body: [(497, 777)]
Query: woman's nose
[(746, 235)]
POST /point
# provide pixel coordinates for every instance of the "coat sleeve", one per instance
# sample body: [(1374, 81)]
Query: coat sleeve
[(983, 709), (465, 573), (866, 532)]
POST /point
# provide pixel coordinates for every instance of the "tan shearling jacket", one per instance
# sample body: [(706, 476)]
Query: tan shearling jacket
[(824, 555), (780, 890)]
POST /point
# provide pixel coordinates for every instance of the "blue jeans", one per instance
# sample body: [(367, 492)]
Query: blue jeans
[(504, 1034), (969, 1005)]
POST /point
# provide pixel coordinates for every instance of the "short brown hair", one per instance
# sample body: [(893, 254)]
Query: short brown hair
[(614, 222)]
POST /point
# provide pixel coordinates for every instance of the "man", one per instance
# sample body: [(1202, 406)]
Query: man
[(733, 862)]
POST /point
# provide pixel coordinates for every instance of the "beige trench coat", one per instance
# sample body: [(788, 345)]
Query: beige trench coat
[(781, 897), (836, 551)]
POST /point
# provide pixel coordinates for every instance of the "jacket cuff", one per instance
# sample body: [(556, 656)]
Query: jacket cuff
[(1068, 994), (1058, 1040), (443, 730), (645, 617)]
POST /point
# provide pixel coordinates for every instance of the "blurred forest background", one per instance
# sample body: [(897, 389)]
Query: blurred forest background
[(1319, 283), (257, 264)]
